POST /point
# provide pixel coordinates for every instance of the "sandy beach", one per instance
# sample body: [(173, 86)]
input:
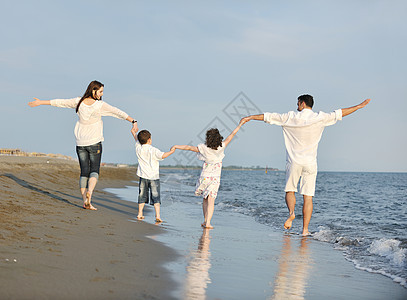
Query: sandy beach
[(51, 248)]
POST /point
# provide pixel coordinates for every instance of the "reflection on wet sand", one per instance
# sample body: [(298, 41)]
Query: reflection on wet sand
[(198, 269), (293, 270)]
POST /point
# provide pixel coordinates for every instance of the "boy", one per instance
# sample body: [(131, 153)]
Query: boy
[(149, 172)]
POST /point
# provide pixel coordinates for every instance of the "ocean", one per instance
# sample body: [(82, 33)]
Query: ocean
[(363, 216)]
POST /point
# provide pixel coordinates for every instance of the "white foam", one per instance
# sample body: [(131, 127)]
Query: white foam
[(397, 279), (324, 235), (389, 248)]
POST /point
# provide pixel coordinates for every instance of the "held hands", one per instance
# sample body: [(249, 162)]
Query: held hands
[(35, 103), (244, 120), (134, 128)]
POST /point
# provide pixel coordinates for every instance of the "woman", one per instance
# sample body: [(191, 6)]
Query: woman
[(89, 133)]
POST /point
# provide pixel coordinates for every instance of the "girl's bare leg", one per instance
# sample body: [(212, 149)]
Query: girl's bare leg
[(205, 210), (209, 213)]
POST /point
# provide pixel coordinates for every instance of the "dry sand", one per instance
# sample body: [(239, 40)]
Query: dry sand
[(51, 248)]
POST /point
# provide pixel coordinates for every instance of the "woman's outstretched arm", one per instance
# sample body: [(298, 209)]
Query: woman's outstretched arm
[(38, 102), (64, 103)]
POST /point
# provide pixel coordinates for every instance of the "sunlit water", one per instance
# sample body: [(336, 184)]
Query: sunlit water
[(364, 215)]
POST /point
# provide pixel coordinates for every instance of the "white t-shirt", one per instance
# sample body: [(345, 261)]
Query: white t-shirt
[(212, 166), (148, 161), (302, 132), (89, 128)]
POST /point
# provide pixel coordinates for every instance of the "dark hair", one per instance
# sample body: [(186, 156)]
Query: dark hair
[(307, 99), (93, 86), (143, 136), (213, 138)]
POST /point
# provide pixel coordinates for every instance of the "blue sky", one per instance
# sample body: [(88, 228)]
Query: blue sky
[(175, 66)]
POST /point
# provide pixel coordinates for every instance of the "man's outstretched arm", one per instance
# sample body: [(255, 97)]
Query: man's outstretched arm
[(349, 110), (252, 117)]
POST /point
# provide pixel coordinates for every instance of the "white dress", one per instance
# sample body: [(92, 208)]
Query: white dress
[(209, 180)]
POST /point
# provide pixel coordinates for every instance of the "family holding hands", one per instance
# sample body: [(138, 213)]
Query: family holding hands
[(302, 132)]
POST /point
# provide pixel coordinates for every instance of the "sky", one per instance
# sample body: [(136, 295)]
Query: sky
[(179, 67)]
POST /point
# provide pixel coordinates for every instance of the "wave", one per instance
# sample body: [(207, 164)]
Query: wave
[(390, 249)]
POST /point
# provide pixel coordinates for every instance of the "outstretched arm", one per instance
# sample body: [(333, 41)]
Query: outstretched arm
[(252, 117), (38, 102), (185, 147), (133, 131), (166, 154), (349, 110), (231, 136)]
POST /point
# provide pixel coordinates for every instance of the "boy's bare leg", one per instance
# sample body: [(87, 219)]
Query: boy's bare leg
[(209, 213), (205, 210), (157, 212), (290, 202), (140, 211), (306, 213)]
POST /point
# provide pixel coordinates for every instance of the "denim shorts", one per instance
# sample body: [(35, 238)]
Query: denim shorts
[(149, 191)]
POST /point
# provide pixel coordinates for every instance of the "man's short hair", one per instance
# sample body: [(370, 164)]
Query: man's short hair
[(307, 99), (143, 136)]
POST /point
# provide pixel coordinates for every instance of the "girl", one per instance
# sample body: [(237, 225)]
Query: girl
[(212, 153), (88, 133)]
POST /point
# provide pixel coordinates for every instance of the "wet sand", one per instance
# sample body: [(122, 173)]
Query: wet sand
[(51, 248)]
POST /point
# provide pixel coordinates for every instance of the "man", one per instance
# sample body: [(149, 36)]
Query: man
[(302, 132)]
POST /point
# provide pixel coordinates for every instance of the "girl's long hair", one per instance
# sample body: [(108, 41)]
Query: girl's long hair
[(213, 138), (93, 86)]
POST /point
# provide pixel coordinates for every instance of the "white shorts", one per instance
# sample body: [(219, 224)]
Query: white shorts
[(308, 175)]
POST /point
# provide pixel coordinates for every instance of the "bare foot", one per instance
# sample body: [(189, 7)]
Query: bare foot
[(140, 217), (306, 233), (208, 226), (289, 222), (91, 207), (158, 220)]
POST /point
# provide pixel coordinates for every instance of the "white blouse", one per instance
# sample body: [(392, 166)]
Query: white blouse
[(89, 128)]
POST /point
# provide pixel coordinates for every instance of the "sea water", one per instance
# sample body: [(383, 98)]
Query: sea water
[(364, 215)]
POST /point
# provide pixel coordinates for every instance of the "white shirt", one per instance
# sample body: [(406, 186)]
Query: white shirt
[(302, 132), (89, 128), (212, 166), (148, 161)]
